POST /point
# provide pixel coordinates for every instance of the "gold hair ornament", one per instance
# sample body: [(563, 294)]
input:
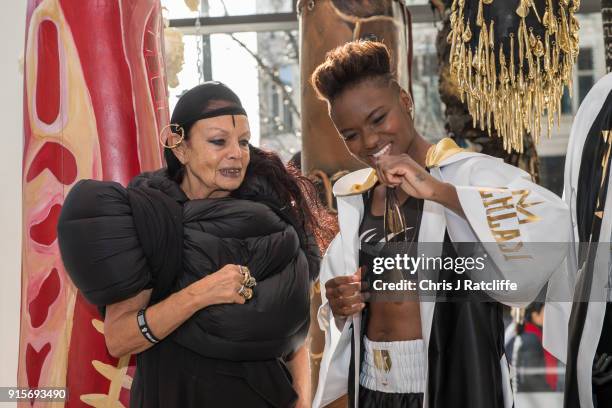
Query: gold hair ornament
[(501, 95), (180, 131)]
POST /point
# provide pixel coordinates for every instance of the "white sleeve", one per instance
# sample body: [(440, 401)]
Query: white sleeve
[(330, 268), (524, 227)]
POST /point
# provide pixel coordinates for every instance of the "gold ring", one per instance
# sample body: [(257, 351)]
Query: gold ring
[(245, 279), (179, 129), (246, 293), (250, 282)]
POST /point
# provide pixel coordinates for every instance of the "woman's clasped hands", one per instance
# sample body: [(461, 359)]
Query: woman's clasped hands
[(230, 284)]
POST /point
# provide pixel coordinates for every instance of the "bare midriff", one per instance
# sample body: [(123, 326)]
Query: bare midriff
[(394, 321), (388, 320)]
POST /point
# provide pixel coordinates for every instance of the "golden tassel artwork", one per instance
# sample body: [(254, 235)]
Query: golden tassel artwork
[(513, 76)]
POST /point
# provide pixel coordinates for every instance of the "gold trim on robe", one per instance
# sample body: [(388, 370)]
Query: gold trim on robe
[(441, 151)]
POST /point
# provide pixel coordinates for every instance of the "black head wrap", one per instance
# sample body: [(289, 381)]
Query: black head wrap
[(194, 105)]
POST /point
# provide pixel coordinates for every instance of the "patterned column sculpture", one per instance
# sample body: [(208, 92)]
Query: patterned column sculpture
[(95, 99)]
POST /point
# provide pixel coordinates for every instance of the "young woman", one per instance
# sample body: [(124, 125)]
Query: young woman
[(416, 352)]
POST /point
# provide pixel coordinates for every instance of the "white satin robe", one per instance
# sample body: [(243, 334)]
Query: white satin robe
[(471, 174)]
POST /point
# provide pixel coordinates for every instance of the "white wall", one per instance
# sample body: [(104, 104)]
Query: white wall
[(12, 37)]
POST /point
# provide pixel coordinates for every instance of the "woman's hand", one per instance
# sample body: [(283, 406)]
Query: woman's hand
[(121, 331), (402, 171), (218, 288), (344, 295)]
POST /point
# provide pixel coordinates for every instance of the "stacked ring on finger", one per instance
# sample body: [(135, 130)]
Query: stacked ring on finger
[(248, 280), (246, 293)]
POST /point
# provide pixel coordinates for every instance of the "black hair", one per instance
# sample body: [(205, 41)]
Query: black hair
[(351, 64)]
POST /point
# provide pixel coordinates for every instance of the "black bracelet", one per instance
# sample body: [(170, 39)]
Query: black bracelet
[(144, 327)]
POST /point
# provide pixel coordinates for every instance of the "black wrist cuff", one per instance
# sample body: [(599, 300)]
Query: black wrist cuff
[(144, 327)]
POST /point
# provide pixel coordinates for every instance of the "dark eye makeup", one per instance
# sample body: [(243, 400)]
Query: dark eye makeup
[(221, 142)]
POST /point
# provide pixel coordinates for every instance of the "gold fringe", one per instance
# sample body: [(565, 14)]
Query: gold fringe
[(511, 100)]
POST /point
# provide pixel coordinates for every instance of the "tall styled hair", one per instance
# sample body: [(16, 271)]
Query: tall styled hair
[(350, 64)]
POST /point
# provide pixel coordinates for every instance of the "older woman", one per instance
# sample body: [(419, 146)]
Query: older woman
[(203, 268), (420, 352)]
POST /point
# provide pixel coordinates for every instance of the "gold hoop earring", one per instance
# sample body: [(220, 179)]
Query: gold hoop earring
[(179, 129)]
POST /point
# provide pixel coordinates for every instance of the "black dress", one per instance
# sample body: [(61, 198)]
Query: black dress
[(150, 236), (170, 375)]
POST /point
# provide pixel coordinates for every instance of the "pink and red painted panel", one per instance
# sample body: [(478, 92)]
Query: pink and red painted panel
[(94, 101)]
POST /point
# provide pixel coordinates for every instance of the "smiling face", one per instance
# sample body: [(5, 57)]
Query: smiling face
[(373, 119), (215, 156)]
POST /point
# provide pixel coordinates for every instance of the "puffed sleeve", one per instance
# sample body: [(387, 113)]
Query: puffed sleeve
[(99, 243)]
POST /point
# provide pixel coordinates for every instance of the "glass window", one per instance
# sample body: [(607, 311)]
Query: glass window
[(219, 8), (551, 173), (585, 59), (180, 8), (429, 118), (585, 72), (275, 105), (262, 69), (238, 8), (585, 83), (566, 103)]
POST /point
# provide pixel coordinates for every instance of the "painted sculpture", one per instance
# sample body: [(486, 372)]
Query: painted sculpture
[(95, 99)]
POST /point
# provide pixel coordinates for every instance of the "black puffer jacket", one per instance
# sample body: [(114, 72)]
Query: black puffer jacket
[(116, 242)]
